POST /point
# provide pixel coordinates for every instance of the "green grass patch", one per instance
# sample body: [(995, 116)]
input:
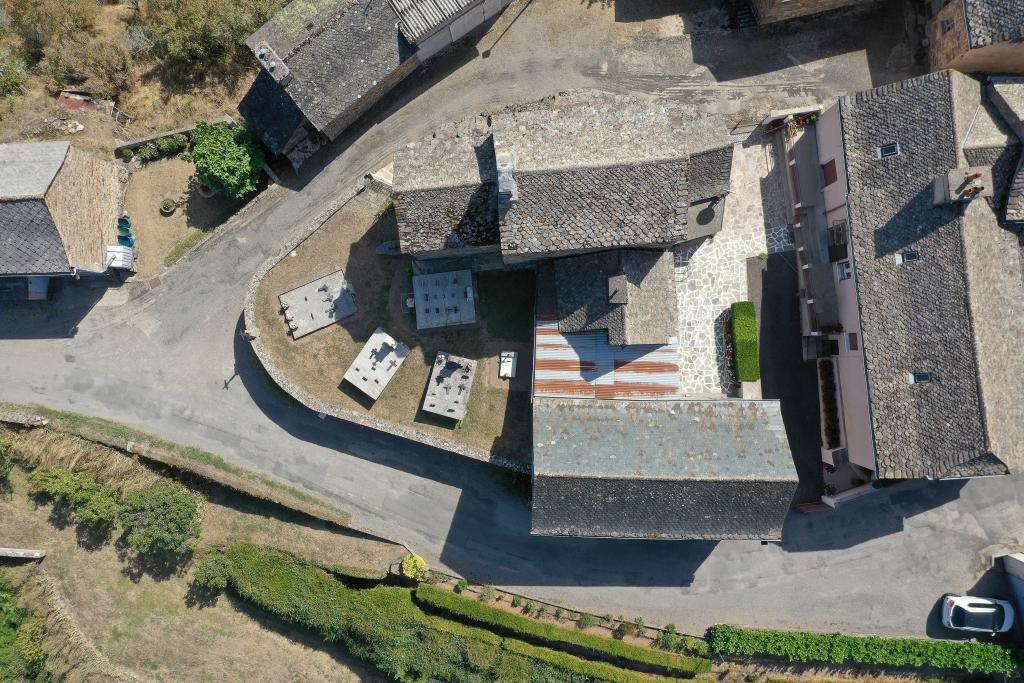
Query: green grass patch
[(745, 341), (184, 246), (117, 431), (22, 656), (384, 626), (552, 635), (506, 303), (835, 648)]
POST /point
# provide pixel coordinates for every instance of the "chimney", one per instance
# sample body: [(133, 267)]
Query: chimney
[(963, 185), (508, 191)]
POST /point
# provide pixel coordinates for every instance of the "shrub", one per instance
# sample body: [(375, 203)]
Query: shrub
[(553, 635), (559, 614), (461, 585), (745, 341), (585, 621), (531, 607), (22, 656), (516, 601), (227, 159), (12, 72), (212, 573), (414, 567), (163, 518), (696, 646), (30, 644), (488, 594), (40, 22), (639, 626), (835, 648), (668, 639), (90, 502), (6, 464), (148, 152), (385, 627), (128, 153)]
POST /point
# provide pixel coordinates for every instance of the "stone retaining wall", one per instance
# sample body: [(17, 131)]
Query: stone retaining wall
[(252, 332)]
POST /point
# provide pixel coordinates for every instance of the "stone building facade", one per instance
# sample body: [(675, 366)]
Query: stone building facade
[(769, 11), (976, 36)]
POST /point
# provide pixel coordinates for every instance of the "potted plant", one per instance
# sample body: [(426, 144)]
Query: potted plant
[(168, 206)]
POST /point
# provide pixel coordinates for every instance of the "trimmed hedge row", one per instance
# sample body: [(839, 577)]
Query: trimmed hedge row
[(745, 341), (588, 644), (835, 648), (383, 626)]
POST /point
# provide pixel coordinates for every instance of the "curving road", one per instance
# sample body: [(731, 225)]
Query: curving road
[(169, 360)]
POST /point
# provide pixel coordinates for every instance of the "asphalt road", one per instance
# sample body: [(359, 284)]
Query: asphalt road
[(171, 362)]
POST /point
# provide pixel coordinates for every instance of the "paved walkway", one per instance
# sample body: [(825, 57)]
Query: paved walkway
[(712, 274)]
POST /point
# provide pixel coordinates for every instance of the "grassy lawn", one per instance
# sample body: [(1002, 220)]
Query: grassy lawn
[(498, 420)]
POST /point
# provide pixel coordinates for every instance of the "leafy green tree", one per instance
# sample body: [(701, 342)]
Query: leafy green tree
[(90, 502), (6, 464), (212, 573), (163, 518), (227, 159)]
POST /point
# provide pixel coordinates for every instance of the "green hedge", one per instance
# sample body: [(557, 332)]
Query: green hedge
[(383, 626), (745, 342), (835, 648), (509, 623)]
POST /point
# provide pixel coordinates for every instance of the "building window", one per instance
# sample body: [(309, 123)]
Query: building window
[(907, 257), (852, 341), (890, 150), (837, 242), (844, 271), (918, 377), (947, 25), (829, 169)]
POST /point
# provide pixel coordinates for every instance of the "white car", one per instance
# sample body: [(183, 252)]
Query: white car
[(981, 615)]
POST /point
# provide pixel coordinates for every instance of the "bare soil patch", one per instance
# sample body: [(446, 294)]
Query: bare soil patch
[(161, 240), (498, 420)]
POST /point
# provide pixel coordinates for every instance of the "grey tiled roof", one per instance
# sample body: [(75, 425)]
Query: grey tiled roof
[(420, 18), (445, 191), (29, 241), (644, 317), (28, 168), (660, 469), (270, 113), (916, 317), (710, 172), (336, 51), (994, 21), (643, 204)]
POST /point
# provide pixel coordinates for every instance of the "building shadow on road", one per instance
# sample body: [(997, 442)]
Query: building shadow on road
[(875, 515), (885, 32), (488, 537), (57, 317)]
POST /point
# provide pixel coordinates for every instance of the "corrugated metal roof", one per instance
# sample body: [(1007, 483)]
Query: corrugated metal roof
[(584, 365), (28, 168), (419, 18)]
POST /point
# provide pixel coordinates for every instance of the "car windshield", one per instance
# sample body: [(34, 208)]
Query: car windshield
[(985, 618)]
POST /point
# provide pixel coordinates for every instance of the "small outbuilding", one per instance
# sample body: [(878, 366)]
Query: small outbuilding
[(451, 381), (377, 363)]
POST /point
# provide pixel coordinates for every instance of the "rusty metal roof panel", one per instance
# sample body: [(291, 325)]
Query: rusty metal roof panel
[(585, 365)]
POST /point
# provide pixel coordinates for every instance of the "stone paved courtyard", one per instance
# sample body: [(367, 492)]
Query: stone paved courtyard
[(712, 274)]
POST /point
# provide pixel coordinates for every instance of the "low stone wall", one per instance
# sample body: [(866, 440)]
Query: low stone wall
[(252, 332), (142, 142)]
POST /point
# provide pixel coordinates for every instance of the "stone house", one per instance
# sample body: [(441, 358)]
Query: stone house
[(58, 214), (324, 64), (914, 230), (976, 36), (769, 11), (562, 177)]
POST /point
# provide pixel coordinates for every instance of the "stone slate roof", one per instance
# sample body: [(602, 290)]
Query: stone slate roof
[(445, 190), (994, 21), (642, 204), (335, 50), (660, 469), (921, 316), (28, 168), (419, 19), (29, 241), (710, 173), (643, 280), (270, 112)]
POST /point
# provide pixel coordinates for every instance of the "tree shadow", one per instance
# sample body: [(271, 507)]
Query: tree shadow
[(200, 597), (158, 565)]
